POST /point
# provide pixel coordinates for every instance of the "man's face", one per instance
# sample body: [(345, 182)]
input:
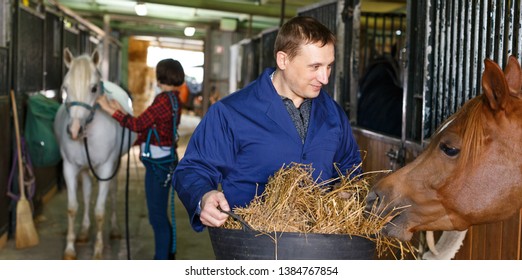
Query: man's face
[(308, 71)]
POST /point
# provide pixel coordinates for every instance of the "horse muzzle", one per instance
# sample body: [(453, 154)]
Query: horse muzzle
[(383, 205), (75, 129)]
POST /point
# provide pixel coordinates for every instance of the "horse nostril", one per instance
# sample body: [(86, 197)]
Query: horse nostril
[(371, 199)]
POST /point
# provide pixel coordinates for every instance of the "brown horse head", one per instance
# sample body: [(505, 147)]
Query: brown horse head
[(471, 172)]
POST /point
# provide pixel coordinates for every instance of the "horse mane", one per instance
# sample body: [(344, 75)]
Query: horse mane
[(471, 123), (80, 70)]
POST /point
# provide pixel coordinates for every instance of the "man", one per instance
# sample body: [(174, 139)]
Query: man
[(282, 117)]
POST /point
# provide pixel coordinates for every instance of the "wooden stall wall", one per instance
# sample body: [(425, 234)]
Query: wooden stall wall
[(377, 151)]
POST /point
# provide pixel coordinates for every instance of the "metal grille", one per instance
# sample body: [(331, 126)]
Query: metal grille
[(250, 63), (85, 42), (267, 49), (53, 51), (71, 40), (4, 74), (114, 63), (460, 34), (381, 34), (29, 51)]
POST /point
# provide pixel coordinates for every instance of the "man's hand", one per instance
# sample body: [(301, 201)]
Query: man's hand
[(211, 203)]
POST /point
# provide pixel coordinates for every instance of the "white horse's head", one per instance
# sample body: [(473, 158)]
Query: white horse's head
[(81, 85)]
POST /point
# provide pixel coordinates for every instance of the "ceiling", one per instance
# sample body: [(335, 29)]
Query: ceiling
[(170, 17)]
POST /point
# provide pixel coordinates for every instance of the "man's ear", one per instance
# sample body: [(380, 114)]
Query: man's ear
[(281, 59)]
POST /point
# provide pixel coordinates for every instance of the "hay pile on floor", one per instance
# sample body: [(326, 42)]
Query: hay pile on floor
[(294, 202)]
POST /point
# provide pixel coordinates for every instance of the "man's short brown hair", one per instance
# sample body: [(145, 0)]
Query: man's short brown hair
[(299, 31)]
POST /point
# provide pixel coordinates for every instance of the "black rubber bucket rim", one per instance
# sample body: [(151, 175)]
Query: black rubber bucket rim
[(229, 244)]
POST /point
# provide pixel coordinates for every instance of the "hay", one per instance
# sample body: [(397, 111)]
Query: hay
[(294, 202)]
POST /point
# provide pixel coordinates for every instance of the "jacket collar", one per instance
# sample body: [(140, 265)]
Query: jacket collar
[(277, 112)]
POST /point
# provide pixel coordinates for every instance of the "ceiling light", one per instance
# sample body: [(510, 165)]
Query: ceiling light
[(141, 9), (189, 31)]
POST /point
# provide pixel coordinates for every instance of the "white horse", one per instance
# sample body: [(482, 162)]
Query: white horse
[(78, 124)]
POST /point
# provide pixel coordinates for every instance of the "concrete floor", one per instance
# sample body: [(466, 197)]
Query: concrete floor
[(52, 224)]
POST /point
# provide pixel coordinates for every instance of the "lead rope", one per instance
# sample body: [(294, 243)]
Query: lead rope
[(173, 221), (117, 165), (127, 235), (174, 103)]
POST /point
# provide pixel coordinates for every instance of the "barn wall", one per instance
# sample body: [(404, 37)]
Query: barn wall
[(139, 76), (31, 47)]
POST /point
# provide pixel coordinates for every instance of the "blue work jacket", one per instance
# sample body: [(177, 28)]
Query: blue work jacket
[(247, 136)]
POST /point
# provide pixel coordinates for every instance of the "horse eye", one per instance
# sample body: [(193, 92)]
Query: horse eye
[(94, 89), (449, 151)]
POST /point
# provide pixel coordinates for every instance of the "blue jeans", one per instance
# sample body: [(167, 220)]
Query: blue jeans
[(157, 195)]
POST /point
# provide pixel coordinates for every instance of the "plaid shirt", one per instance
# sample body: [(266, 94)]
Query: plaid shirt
[(158, 114)]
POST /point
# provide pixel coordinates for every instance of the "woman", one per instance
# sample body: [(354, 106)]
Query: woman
[(157, 137)]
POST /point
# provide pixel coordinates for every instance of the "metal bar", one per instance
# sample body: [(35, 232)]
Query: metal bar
[(366, 36), (482, 37), (467, 55), (352, 62), (443, 96), (393, 35), (435, 67), (427, 24), (374, 36), (516, 33), (499, 41), (474, 64), (508, 32), (491, 28), (460, 62), (452, 67), (383, 35)]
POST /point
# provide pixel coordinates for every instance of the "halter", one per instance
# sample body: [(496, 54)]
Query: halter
[(91, 109)]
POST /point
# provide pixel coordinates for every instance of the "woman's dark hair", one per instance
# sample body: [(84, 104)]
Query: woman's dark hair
[(170, 72)]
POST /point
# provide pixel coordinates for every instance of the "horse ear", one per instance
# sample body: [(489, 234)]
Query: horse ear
[(96, 57), (67, 57), (494, 85), (513, 75)]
